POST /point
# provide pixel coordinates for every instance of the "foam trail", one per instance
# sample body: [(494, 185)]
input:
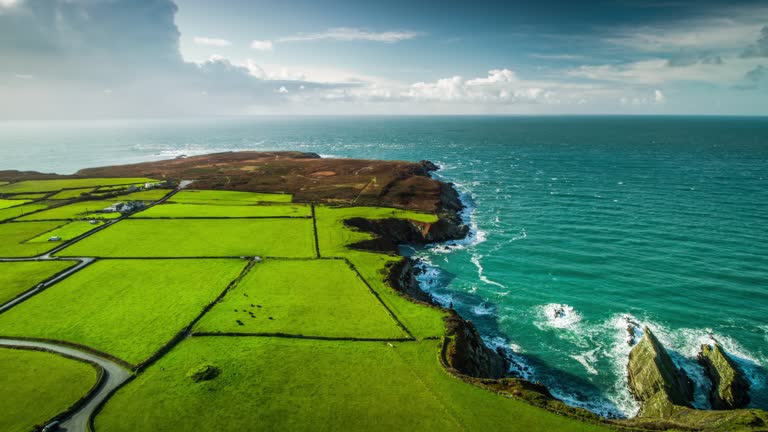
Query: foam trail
[(476, 261)]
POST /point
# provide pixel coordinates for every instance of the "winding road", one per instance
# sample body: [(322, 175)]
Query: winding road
[(114, 375)]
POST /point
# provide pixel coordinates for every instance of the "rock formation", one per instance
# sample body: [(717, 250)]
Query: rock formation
[(467, 353), (730, 389), (654, 380)]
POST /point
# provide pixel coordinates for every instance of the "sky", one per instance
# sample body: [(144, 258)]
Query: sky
[(64, 59)]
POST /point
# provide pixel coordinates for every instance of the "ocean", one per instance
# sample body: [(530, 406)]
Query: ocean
[(578, 224)]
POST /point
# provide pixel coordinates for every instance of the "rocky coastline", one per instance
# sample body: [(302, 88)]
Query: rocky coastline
[(664, 391)]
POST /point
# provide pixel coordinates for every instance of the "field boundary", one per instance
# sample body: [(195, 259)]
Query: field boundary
[(314, 231), (43, 282), (381, 301), (213, 217), (300, 336)]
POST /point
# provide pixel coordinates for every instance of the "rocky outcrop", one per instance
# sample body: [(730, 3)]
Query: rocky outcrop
[(466, 352), (655, 381), (665, 392), (730, 389), (402, 278)]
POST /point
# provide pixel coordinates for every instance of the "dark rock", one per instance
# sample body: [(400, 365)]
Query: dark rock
[(730, 389), (467, 353), (205, 372), (402, 278), (428, 166)]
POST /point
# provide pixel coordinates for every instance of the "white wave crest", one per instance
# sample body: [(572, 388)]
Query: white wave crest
[(559, 316)]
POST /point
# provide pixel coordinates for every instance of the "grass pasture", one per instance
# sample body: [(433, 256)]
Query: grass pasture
[(71, 193), (6, 203), (14, 235), (147, 195), (18, 277), (66, 232), (37, 385), (310, 298), (118, 188), (224, 211), (421, 320), (199, 238), (78, 210), (27, 196), (212, 197), (300, 384), (22, 210), (28, 186), (127, 308)]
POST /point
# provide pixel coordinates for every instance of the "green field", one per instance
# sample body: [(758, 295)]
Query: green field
[(17, 277), (14, 235), (200, 237), (310, 298), (127, 308), (147, 195), (188, 196), (422, 321), (66, 232), (117, 188), (5, 203), (299, 384), (71, 193), (334, 237), (78, 210), (216, 211), (56, 185), (29, 196), (37, 385), (15, 212)]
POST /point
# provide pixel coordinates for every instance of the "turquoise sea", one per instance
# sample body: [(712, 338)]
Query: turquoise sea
[(578, 224)]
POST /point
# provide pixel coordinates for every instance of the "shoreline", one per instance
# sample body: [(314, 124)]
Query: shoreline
[(464, 352), (518, 380)]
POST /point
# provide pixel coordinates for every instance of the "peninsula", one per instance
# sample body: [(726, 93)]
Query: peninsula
[(263, 291)]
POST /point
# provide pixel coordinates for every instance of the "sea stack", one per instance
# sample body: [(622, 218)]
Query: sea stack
[(654, 380), (730, 389)]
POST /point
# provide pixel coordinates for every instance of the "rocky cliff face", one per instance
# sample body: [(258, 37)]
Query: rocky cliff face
[(401, 277), (467, 353), (729, 387), (655, 381)]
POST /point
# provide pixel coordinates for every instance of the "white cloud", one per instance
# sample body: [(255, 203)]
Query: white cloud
[(658, 97), (8, 3), (353, 34), (282, 89), (262, 45), (658, 70), (728, 29), (206, 41)]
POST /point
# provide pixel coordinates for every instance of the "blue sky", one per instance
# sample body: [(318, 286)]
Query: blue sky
[(235, 57)]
